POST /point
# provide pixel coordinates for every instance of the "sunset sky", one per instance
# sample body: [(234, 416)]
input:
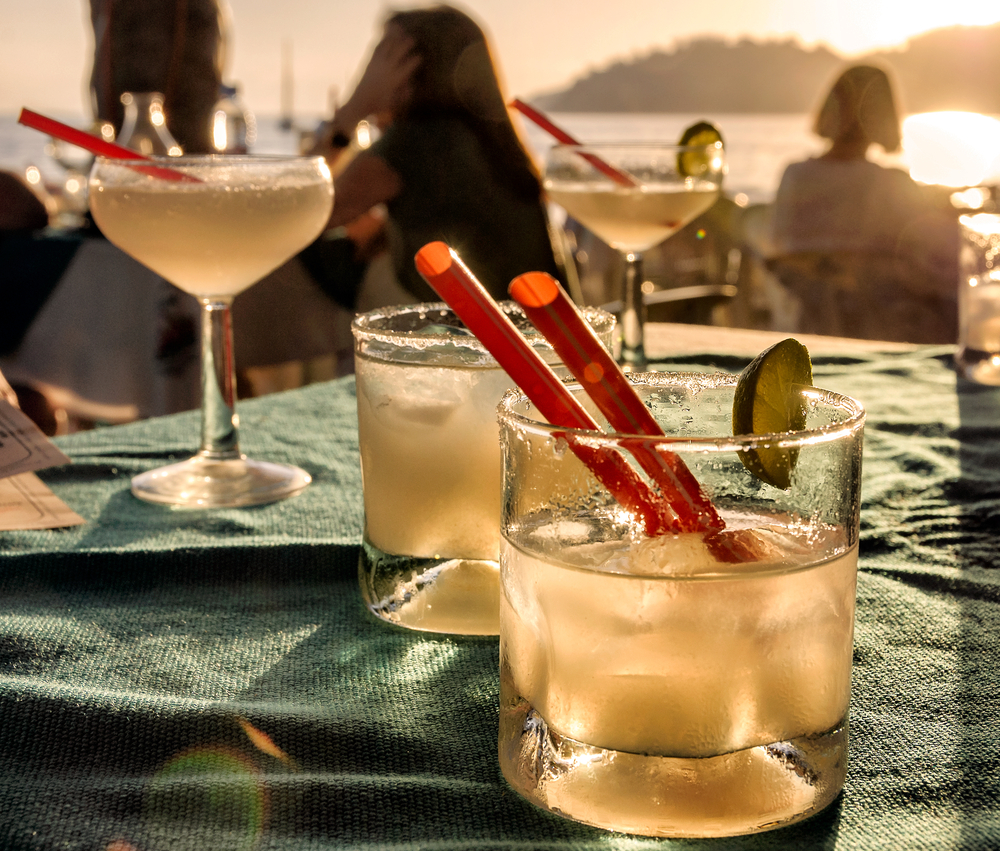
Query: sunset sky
[(540, 44)]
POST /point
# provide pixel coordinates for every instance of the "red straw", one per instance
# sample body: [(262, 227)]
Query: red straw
[(553, 313), (97, 145), (562, 136), (453, 281)]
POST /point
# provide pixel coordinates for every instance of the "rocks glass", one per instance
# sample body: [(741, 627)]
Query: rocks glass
[(647, 685)]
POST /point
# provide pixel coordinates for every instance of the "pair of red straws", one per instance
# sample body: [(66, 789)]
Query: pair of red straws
[(552, 312), (683, 506), (452, 280)]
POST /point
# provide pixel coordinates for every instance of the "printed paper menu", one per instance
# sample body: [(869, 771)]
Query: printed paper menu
[(25, 501)]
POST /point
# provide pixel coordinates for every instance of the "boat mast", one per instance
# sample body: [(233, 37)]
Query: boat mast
[(287, 86)]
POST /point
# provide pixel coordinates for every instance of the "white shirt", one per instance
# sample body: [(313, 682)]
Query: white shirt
[(843, 205)]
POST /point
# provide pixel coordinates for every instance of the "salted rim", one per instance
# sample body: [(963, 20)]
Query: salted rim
[(696, 382), (209, 159), (364, 327)]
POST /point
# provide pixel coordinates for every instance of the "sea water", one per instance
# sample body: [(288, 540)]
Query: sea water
[(758, 147)]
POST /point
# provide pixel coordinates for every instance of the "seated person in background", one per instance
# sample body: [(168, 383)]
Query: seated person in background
[(20, 208), (873, 229), (449, 165), (22, 214)]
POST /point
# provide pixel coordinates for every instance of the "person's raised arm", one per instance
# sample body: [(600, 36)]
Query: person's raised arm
[(385, 87), (366, 182)]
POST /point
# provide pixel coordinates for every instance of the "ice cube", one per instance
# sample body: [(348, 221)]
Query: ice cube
[(416, 395), (686, 554)]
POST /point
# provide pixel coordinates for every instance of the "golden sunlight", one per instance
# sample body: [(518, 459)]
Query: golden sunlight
[(886, 24), (952, 148)]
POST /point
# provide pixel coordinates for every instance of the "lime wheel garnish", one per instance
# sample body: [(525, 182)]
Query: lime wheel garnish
[(768, 402), (700, 137)]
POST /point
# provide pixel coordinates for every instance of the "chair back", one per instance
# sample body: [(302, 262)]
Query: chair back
[(868, 296)]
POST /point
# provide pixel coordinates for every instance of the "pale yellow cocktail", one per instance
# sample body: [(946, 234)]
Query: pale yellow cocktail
[(213, 242), (632, 218), (634, 196), (430, 460), (213, 226)]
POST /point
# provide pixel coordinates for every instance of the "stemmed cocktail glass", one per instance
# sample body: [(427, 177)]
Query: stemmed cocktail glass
[(214, 226), (634, 196)]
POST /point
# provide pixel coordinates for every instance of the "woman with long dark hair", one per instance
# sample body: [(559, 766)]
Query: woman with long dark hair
[(449, 165)]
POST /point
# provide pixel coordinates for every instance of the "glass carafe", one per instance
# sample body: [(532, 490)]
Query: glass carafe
[(145, 126)]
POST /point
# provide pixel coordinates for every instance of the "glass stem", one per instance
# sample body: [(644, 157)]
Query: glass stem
[(219, 422), (633, 353)]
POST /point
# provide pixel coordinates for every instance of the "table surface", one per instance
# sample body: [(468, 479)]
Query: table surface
[(176, 679)]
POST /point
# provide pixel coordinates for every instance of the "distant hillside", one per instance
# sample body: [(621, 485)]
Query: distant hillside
[(954, 68)]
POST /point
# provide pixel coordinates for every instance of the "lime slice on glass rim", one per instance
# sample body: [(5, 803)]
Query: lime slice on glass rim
[(701, 134), (767, 401)]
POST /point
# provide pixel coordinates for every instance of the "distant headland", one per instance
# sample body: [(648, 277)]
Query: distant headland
[(956, 68)]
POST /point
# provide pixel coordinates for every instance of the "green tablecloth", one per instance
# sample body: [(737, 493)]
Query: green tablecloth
[(210, 680)]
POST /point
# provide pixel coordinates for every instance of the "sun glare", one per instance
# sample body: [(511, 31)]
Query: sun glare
[(859, 26), (952, 148)]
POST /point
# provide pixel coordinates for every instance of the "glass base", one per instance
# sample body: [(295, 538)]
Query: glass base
[(454, 596), (979, 366), (202, 482), (748, 791)]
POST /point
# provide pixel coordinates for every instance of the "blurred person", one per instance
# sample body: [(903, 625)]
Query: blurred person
[(887, 242), (449, 164), (20, 208), (175, 47), (28, 273), (30, 263)]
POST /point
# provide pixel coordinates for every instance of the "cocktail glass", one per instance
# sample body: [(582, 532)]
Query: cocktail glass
[(652, 199), (647, 686), (430, 459), (228, 223)]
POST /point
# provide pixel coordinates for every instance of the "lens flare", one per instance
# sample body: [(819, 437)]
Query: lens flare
[(207, 793)]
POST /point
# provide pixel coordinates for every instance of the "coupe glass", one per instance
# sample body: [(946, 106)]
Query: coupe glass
[(226, 223), (658, 190)]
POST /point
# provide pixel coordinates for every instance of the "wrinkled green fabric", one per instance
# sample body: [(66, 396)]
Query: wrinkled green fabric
[(135, 649)]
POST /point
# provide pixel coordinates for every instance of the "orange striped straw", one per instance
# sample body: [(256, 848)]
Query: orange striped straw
[(451, 279)]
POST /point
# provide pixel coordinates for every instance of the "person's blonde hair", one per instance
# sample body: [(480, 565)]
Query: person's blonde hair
[(861, 101)]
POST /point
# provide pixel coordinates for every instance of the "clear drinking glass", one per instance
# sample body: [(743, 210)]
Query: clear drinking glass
[(646, 686), (144, 127), (978, 356), (659, 200), (218, 230), (430, 459)]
